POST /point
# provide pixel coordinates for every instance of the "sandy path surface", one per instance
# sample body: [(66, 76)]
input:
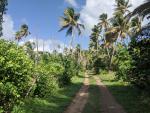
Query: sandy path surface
[(108, 103), (80, 99)]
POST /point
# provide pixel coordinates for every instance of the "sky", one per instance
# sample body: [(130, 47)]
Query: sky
[(42, 17)]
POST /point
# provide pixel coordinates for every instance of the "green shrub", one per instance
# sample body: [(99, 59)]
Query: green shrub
[(71, 68), (140, 71), (16, 74), (47, 78), (123, 63), (18, 109), (65, 78)]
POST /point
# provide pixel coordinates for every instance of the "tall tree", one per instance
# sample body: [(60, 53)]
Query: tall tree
[(104, 25), (120, 24), (3, 4), (120, 21), (104, 21), (77, 53), (70, 21), (94, 39), (29, 48), (23, 32), (122, 6)]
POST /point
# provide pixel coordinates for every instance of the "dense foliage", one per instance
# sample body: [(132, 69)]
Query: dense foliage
[(140, 53), (20, 77), (122, 44), (122, 62), (26, 73), (16, 74)]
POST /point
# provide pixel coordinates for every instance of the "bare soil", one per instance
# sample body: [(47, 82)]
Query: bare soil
[(108, 102), (80, 99)]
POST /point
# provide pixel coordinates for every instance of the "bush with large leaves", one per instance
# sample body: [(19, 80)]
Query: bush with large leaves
[(16, 74)]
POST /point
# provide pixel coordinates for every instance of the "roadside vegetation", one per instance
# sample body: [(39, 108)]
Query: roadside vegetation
[(56, 103), (131, 98), (119, 49), (38, 81)]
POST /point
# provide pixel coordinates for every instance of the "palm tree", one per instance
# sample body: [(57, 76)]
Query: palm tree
[(104, 24), (120, 21), (23, 32), (77, 53), (70, 21), (104, 21), (119, 24), (122, 6), (29, 48), (94, 39), (135, 25)]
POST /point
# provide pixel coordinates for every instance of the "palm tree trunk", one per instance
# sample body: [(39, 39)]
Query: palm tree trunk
[(71, 43), (111, 57), (97, 47), (106, 47), (113, 51)]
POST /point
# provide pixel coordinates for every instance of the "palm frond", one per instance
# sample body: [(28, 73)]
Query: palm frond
[(63, 27), (141, 9), (76, 17), (82, 26), (69, 31), (69, 12)]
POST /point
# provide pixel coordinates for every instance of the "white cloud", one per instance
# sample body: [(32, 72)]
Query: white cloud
[(8, 27), (49, 44), (93, 8), (72, 2)]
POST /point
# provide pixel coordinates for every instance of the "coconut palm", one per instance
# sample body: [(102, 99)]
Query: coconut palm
[(94, 39), (135, 25), (120, 21), (119, 25), (122, 6), (104, 25), (77, 53), (23, 32), (29, 48), (70, 22), (104, 21)]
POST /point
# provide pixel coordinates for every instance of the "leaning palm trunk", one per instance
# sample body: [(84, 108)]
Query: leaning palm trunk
[(108, 52), (112, 56), (113, 51)]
